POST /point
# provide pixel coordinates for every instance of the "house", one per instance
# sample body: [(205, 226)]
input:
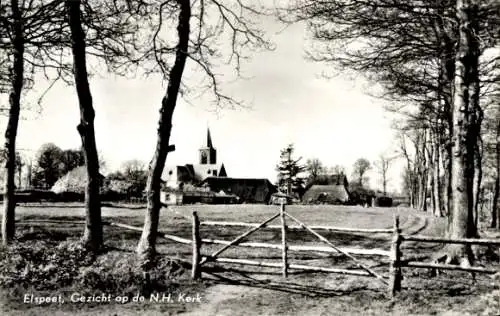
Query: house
[(328, 188), (248, 190), (74, 181), (176, 176)]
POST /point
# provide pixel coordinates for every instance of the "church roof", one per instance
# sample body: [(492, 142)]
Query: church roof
[(209, 139), (206, 170)]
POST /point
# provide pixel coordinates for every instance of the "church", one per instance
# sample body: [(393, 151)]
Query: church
[(176, 176), (210, 183)]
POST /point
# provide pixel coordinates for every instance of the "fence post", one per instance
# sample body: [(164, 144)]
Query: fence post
[(395, 269), (283, 241), (196, 272)]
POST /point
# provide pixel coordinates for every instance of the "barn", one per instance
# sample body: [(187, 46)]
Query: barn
[(248, 190), (327, 189)]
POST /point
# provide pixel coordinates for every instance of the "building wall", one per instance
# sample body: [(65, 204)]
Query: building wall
[(171, 177), (171, 198)]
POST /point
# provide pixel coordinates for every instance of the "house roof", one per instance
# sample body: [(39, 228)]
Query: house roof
[(190, 167), (331, 179), (332, 191), (73, 181), (206, 170), (247, 181), (247, 189), (328, 179)]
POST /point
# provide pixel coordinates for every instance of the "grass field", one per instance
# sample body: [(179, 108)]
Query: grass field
[(241, 290)]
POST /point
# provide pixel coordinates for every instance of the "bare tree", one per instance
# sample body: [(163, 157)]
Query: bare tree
[(314, 167), (16, 80), (382, 165), (92, 237), (409, 174), (198, 40), (360, 167), (112, 36), (338, 169), (436, 182), (417, 165), (35, 40), (131, 168), (147, 244), (26, 29)]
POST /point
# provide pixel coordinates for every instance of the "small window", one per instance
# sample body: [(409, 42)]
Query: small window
[(214, 173), (170, 172), (208, 171)]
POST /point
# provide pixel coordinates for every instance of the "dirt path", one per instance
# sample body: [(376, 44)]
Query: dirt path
[(217, 300)]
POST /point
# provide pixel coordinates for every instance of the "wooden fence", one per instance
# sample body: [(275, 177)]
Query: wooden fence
[(395, 254)]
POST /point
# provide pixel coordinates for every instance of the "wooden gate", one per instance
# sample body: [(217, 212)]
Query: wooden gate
[(285, 265)]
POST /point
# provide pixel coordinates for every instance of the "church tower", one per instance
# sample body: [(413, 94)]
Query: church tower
[(208, 154)]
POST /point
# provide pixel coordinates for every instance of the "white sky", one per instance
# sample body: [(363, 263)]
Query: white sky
[(333, 120)]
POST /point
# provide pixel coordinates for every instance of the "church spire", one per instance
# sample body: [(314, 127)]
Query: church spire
[(208, 154), (209, 139)]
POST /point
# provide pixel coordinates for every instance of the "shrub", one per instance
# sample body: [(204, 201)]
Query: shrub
[(42, 263)]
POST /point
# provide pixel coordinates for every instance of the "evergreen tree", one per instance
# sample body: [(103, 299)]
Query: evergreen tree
[(289, 173)]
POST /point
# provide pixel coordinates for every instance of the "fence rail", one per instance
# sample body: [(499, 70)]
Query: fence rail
[(330, 228), (357, 251), (139, 229), (447, 267), (290, 266), (468, 241), (397, 263)]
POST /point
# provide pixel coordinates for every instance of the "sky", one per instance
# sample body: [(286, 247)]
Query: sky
[(334, 120)]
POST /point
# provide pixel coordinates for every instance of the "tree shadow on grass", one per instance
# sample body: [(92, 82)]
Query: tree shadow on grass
[(42, 234), (240, 277)]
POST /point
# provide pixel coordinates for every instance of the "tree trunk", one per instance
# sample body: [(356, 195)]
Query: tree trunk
[(478, 177), (425, 191), (476, 118), (19, 175), (146, 248), (92, 237), (447, 196), (495, 210), (445, 184), (461, 223), (431, 171), (414, 185), (447, 73), (438, 212), (422, 173), (17, 78)]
